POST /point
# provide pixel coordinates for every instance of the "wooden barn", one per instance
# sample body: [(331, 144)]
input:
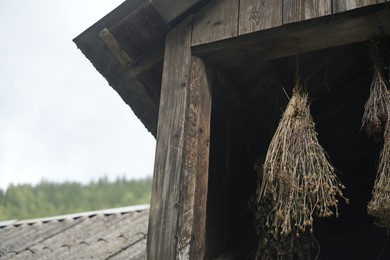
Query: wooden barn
[(208, 80)]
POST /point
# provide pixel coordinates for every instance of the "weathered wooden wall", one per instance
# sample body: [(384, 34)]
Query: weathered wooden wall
[(217, 21), (228, 18), (170, 144), (341, 6), (177, 225), (179, 192), (293, 38)]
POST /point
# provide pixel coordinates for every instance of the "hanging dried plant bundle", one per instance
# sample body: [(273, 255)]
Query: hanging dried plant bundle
[(376, 107), (297, 175), (272, 245), (379, 206)]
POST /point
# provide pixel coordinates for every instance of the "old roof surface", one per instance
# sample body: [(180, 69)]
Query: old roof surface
[(107, 234), (139, 27)]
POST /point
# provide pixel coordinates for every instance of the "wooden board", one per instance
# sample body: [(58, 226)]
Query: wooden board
[(258, 15), (141, 30), (115, 47), (342, 6), (179, 194), (164, 209), (315, 34), (199, 117), (194, 179), (216, 21), (298, 10)]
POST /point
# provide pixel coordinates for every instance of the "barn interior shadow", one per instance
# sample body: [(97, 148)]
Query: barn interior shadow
[(248, 102)]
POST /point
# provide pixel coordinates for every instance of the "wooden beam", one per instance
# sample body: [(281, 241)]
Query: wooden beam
[(199, 134), (146, 60), (114, 46), (178, 206), (165, 201), (194, 179), (324, 32), (342, 6)]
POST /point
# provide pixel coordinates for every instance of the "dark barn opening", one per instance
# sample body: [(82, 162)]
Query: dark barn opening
[(248, 102)]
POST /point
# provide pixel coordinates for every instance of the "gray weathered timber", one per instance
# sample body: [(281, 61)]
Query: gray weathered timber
[(216, 21), (114, 46), (342, 6), (146, 60), (199, 131), (298, 10), (258, 15), (162, 232), (194, 179), (140, 30), (315, 34)]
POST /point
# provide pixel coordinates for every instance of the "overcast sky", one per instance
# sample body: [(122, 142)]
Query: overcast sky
[(59, 118)]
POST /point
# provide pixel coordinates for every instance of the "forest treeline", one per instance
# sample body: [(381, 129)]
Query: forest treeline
[(45, 199)]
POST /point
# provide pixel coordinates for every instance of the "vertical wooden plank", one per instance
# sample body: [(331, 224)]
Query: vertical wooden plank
[(163, 219), (199, 121), (258, 15), (342, 6), (216, 21), (298, 10), (192, 216)]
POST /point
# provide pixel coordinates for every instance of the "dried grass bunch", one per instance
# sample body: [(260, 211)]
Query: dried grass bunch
[(376, 107), (297, 176), (379, 206), (271, 245), (376, 115)]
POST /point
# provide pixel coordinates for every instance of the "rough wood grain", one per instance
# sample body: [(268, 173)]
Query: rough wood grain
[(114, 46), (194, 179), (315, 34), (163, 220), (140, 30), (298, 10), (258, 15), (216, 21), (342, 6), (199, 131), (146, 60)]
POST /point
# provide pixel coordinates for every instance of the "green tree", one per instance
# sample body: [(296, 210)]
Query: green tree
[(48, 198)]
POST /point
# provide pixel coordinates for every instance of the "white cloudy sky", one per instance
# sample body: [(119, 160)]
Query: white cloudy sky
[(59, 119)]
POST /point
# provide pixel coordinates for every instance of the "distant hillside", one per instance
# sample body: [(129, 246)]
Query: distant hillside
[(49, 199)]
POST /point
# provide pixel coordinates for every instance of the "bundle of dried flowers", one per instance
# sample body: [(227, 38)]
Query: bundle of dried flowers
[(376, 107), (271, 245), (379, 206), (297, 176)]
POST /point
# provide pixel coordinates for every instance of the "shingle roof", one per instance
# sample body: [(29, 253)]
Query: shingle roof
[(108, 234)]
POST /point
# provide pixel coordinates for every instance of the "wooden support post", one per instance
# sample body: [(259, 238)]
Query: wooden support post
[(179, 193), (197, 159)]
